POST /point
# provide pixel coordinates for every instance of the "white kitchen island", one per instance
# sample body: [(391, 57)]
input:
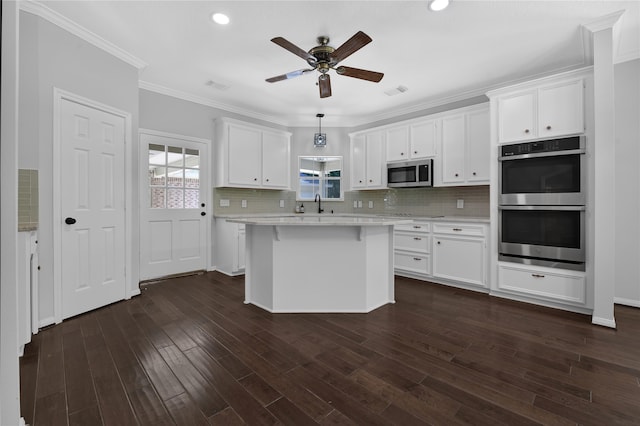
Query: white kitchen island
[(320, 263)]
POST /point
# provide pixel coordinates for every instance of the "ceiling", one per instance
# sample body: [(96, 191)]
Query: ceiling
[(440, 57)]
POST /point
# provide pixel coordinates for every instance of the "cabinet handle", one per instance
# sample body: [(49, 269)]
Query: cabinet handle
[(548, 127), (417, 238), (360, 181), (417, 226), (537, 276), (417, 258), (255, 179), (415, 152), (457, 229), (456, 175), (474, 173), (267, 180), (402, 153), (438, 242), (370, 180), (526, 130)]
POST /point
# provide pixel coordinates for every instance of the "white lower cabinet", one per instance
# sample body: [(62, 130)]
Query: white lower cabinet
[(412, 248), (459, 253), (230, 247), (554, 285)]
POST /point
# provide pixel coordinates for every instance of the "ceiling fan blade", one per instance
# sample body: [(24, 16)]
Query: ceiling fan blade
[(288, 75), (361, 74), (293, 49), (324, 82), (350, 46)]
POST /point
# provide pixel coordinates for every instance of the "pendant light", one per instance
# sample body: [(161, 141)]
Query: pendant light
[(320, 139)]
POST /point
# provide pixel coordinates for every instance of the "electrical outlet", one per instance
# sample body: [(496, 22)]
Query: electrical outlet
[(281, 204), (355, 204), (370, 204), (359, 204), (224, 203), (244, 204), (460, 204)]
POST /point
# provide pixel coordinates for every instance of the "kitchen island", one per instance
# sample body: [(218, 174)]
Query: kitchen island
[(320, 263)]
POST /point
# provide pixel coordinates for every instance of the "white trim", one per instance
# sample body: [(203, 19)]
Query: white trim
[(173, 136), (152, 87), (605, 322), (45, 322), (627, 302), (604, 22), (39, 9), (131, 285)]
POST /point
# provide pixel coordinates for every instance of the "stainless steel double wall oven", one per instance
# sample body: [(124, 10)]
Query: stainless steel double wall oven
[(542, 203)]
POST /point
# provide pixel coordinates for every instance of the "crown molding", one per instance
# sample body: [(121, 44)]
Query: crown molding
[(208, 102), (604, 22), (39, 9)]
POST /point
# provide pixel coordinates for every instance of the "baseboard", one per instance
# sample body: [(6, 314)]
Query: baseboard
[(605, 322), (627, 302), (44, 322), (135, 292)]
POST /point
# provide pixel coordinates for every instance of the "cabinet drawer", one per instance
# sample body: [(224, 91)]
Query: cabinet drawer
[(459, 229), (414, 227), (568, 287), (412, 242), (413, 262)]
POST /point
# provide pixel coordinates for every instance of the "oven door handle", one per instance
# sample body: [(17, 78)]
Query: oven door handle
[(552, 208), (541, 154)]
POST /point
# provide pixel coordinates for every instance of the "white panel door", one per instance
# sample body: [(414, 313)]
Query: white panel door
[(92, 208), (173, 221)]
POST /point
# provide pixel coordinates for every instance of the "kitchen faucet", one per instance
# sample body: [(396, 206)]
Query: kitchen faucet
[(319, 201)]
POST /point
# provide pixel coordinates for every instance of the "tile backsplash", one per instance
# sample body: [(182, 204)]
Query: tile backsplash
[(27, 200), (442, 201)]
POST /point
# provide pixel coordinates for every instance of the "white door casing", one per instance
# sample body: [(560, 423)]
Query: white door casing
[(174, 238), (90, 168)]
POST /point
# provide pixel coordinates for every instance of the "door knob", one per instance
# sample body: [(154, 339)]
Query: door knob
[(202, 205), (203, 214), (69, 221)]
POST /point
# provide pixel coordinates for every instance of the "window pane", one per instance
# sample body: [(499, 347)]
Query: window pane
[(191, 198), (157, 154), (174, 156), (309, 187), (192, 158), (175, 198), (174, 177), (157, 176), (157, 197), (331, 188), (191, 178)]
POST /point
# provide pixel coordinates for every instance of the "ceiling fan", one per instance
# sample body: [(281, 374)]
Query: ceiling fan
[(324, 57)]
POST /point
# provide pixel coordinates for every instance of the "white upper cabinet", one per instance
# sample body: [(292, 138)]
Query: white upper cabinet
[(275, 160), (251, 156), (465, 148), (543, 112), (368, 160), (412, 141)]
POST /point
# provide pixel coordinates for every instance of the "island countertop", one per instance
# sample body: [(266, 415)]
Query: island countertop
[(320, 220)]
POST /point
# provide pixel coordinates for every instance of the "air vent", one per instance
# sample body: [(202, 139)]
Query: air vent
[(396, 91), (216, 85)]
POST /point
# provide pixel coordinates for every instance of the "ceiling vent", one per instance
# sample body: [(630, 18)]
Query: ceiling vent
[(216, 85), (396, 91)]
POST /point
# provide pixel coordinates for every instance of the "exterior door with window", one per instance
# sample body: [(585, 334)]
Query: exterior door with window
[(174, 222)]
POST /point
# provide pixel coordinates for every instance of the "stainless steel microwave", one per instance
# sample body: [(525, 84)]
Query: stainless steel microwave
[(409, 174)]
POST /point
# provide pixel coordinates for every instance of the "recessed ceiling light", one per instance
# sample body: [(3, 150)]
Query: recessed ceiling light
[(220, 18), (437, 5)]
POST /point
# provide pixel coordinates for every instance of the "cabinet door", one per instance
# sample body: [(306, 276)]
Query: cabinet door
[(561, 109), (275, 160), (478, 147), (453, 149), (245, 156), (375, 162), (358, 162), (423, 137), (398, 143), (459, 259), (516, 117)]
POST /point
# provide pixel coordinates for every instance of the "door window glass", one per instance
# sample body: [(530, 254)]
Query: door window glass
[(174, 177)]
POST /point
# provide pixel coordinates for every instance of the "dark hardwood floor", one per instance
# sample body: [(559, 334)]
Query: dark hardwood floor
[(189, 352)]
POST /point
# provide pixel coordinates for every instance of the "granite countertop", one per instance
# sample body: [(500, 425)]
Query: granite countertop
[(320, 220), (404, 218)]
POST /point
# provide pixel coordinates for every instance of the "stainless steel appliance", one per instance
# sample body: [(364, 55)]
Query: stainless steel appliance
[(543, 235), (410, 173), (542, 203), (548, 172)]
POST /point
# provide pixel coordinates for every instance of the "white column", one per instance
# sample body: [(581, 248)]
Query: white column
[(9, 366), (604, 169)]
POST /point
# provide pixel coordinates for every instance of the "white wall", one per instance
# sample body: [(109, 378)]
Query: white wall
[(627, 228), (52, 57)]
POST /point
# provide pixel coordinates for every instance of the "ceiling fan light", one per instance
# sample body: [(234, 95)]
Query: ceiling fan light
[(220, 18), (438, 5)]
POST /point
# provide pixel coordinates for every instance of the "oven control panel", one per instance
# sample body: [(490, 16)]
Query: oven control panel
[(537, 147)]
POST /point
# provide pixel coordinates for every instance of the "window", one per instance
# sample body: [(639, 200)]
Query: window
[(320, 175), (174, 177)]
